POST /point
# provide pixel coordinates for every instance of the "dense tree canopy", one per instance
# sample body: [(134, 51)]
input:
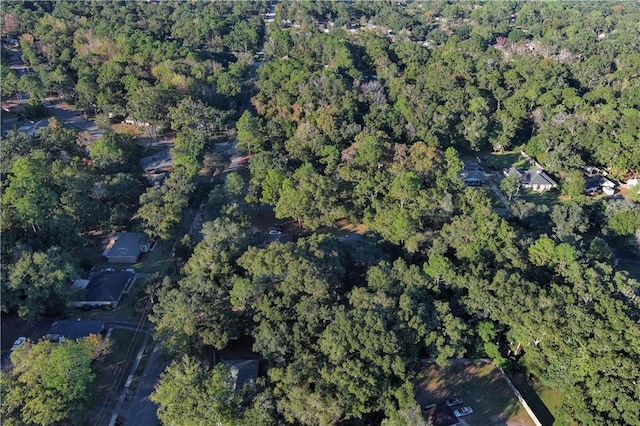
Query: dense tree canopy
[(361, 111), (50, 383)]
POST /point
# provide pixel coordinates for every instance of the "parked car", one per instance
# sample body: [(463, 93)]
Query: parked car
[(274, 231), (452, 402), (18, 342), (463, 411)]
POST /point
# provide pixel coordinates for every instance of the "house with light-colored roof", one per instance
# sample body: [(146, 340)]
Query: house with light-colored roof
[(126, 247), (534, 179)]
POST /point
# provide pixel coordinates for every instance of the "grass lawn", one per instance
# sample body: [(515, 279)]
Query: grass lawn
[(505, 160), (126, 129), (543, 400), (548, 197), (481, 386)]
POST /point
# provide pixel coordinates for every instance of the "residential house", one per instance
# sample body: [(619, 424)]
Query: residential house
[(104, 289), (158, 162), (73, 330), (126, 247), (473, 174), (132, 121), (534, 179), (157, 166), (595, 183)]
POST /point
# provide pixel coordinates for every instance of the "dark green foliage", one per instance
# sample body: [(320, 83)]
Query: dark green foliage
[(37, 284), (370, 125), (189, 394), (161, 207), (50, 383), (115, 153)]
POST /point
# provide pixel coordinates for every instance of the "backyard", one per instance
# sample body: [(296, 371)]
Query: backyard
[(499, 161), (480, 385), (505, 160)]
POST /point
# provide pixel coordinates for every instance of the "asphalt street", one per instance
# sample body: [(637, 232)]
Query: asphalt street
[(141, 410)]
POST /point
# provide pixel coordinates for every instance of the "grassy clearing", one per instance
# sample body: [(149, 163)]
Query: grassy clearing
[(505, 160), (543, 400), (126, 129), (502, 160), (548, 197), (481, 387)]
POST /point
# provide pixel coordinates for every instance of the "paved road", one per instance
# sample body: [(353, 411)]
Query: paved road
[(142, 411), (125, 325)]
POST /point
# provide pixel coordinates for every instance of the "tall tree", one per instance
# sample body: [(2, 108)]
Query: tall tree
[(38, 283), (308, 197), (50, 383), (28, 200), (188, 393)]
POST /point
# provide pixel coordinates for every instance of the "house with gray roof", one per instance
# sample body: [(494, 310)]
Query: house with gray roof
[(537, 180), (32, 129), (126, 247), (159, 162), (104, 289), (73, 330), (534, 179), (473, 174), (595, 183)]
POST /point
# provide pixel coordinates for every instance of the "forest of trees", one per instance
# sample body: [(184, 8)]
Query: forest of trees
[(361, 111)]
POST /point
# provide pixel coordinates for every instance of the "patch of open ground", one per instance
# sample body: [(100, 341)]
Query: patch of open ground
[(505, 160), (543, 400), (345, 227), (548, 197), (481, 387), (126, 129)]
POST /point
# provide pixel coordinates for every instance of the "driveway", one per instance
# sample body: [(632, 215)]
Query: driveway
[(73, 118)]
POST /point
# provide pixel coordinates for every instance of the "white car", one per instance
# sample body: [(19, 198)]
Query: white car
[(463, 411), (274, 231), (453, 402), (18, 342)]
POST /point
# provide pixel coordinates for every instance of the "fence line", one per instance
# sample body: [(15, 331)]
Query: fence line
[(520, 398)]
